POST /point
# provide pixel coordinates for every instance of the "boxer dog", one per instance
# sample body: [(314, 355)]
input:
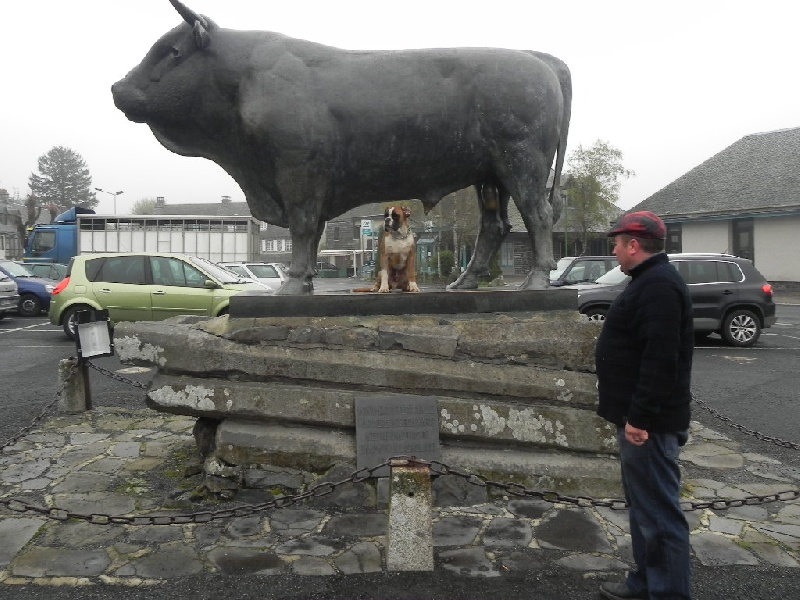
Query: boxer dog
[(397, 254)]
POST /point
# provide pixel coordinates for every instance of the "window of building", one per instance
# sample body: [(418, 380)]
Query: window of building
[(674, 241), (743, 238)]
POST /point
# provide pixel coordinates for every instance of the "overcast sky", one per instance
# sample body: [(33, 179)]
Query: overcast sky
[(668, 83)]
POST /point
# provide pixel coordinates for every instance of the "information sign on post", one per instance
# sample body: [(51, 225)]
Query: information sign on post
[(396, 425), (93, 336)]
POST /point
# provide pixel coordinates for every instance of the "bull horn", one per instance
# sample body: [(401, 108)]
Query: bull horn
[(188, 14)]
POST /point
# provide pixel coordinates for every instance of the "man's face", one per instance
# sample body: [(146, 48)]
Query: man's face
[(626, 250)]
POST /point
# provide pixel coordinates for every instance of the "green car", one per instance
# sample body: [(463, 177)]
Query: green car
[(144, 287)]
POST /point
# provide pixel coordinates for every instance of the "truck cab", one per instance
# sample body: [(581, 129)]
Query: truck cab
[(55, 242)]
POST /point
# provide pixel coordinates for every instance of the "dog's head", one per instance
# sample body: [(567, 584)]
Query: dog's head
[(395, 217)]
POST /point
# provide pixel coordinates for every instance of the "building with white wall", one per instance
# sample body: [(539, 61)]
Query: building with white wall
[(745, 200)]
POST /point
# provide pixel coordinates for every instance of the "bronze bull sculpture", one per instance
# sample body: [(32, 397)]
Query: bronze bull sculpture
[(309, 131)]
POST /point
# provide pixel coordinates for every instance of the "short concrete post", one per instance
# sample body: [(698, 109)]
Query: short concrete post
[(74, 382), (410, 540)]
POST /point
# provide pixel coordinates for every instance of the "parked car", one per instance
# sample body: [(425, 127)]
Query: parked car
[(9, 296), (729, 296), (579, 269), (34, 292), (54, 271), (327, 270), (270, 274), (144, 287)]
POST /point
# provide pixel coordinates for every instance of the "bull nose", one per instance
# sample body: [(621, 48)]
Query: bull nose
[(129, 100)]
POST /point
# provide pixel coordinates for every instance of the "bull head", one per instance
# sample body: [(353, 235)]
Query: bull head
[(200, 24)]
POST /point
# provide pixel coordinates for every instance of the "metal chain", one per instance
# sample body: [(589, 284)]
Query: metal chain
[(516, 489), (113, 375), (44, 412), (756, 434), (323, 489), (60, 514)]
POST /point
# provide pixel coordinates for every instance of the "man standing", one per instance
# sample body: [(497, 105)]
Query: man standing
[(644, 364)]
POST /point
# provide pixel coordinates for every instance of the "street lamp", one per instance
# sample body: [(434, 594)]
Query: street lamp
[(114, 194)]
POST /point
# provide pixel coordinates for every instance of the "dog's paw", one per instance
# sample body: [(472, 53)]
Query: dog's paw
[(384, 290), (412, 287)]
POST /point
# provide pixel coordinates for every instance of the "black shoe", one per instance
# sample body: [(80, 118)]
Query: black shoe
[(620, 591)]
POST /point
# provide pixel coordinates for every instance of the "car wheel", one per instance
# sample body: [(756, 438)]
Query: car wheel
[(70, 320), (596, 314), (741, 328), (29, 306)]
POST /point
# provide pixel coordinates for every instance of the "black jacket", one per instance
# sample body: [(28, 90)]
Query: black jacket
[(644, 352)]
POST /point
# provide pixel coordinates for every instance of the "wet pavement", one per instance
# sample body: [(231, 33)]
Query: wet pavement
[(120, 462)]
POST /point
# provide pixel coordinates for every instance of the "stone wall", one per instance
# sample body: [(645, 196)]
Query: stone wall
[(515, 390)]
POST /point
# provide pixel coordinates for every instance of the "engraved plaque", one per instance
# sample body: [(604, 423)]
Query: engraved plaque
[(389, 426)]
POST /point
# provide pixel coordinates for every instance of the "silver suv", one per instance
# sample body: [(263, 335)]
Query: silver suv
[(729, 296)]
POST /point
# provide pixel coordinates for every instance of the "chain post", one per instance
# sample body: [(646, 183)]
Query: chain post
[(410, 540)]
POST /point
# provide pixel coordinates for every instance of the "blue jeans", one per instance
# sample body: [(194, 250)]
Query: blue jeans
[(659, 532)]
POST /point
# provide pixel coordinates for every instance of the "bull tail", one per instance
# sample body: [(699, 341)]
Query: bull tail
[(565, 81)]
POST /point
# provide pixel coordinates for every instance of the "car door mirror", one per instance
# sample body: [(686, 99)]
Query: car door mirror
[(211, 285)]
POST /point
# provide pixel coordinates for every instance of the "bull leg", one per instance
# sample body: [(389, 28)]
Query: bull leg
[(305, 240), (537, 214), (493, 201)]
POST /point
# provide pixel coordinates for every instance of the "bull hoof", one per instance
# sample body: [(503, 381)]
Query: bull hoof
[(295, 287), (466, 281), (536, 280)]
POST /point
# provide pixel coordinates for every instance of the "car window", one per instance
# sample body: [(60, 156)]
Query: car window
[(561, 266), (221, 274), (239, 270), (613, 277), (708, 271), (16, 270), (586, 270), (43, 241), (730, 272), (263, 271), (121, 269), (173, 271), (92, 268)]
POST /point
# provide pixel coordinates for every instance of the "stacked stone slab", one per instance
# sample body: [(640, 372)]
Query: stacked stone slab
[(512, 377)]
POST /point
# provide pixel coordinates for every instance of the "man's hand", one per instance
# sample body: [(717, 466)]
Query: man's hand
[(635, 436)]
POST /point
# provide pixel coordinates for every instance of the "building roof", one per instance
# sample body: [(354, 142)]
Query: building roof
[(213, 209), (757, 175)]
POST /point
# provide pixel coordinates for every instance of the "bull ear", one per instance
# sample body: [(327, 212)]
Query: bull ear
[(201, 37)]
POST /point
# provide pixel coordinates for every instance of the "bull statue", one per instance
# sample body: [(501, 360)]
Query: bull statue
[(309, 131)]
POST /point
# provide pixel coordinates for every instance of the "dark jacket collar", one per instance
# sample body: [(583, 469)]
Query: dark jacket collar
[(657, 259)]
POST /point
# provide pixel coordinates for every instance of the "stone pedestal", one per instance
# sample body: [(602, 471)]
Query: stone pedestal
[(513, 380)]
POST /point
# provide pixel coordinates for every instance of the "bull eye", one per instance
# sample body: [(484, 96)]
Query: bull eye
[(176, 53)]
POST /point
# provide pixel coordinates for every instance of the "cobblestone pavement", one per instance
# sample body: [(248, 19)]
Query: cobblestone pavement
[(116, 462)]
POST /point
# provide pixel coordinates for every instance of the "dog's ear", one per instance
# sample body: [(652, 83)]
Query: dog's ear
[(406, 212)]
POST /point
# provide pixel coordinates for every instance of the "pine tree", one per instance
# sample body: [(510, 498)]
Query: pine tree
[(63, 179)]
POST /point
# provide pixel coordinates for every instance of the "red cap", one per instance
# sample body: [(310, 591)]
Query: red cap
[(642, 224)]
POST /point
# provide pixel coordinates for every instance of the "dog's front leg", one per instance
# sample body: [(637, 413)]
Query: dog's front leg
[(384, 279), (411, 270)]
